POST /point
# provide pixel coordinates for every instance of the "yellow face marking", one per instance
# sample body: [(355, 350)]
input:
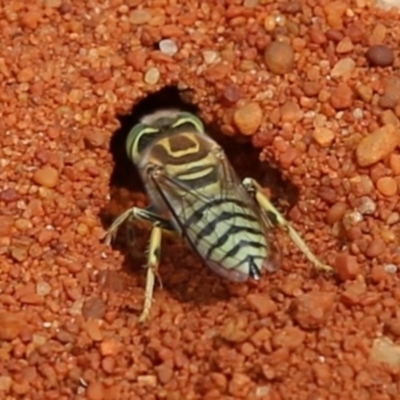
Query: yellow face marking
[(179, 149)]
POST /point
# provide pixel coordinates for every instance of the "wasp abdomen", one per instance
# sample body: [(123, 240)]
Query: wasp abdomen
[(227, 232)]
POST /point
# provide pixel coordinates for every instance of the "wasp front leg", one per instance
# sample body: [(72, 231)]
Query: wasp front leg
[(139, 214), (154, 249), (153, 261), (279, 220)]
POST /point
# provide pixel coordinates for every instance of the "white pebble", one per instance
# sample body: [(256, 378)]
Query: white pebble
[(358, 113), (352, 218), (210, 56), (168, 47), (366, 205), (262, 391), (390, 268), (385, 351), (152, 76), (43, 288), (76, 308)]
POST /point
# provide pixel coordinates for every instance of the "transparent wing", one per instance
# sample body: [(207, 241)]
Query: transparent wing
[(183, 202)]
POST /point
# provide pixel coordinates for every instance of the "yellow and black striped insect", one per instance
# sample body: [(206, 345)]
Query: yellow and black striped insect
[(195, 191)]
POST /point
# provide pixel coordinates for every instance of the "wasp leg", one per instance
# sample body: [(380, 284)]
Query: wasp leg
[(154, 249), (136, 213), (153, 261), (279, 220)]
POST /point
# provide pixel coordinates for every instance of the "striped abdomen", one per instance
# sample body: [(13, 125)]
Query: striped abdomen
[(227, 234)]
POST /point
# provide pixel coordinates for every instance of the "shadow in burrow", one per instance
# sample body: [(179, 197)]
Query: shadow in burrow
[(183, 274)]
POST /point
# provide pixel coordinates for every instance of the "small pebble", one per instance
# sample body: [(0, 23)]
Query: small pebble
[(109, 347), (21, 224), (375, 248), (362, 185), (393, 218), (358, 113), (95, 391), (261, 337), (95, 138), (346, 266), (9, 195), (248, 118), (389, 117), (111, 280), (262, 303), (364, 92), (351, 218), (93, 329), (6, 225), (336, 213), (355, 292), (387, 186), (342, 97), (323, 136), (25, 75), (344, 46), (343, 68), (108, 364), (290, 337), (238, 382), (279, 57), (311, 89), (392, 326), (152, 76), (46, 176), (232, 94), (311, 310), (94, 307), (269, 23), (394, 162), (147, 380), (383, 350), (377, 145), (366, 206), (210, 56), (380, 55), (378, 273), (390, 268), (234, 330), (334, 11), (291, 112), (5, 383), (139, 17), (317, 36), (168, 47), (391, 93), (11, 326), (378, 34), (43, 288), (165, 372)]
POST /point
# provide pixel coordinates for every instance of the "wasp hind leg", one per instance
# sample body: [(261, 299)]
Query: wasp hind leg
[(279, 220)]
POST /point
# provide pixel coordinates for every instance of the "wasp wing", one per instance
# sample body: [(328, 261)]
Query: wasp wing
[(188, 206)]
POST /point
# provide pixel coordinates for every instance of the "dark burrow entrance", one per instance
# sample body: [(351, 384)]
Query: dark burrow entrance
[(125, 179)]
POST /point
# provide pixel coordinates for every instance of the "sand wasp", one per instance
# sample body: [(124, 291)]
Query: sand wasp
[(195, 191)]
